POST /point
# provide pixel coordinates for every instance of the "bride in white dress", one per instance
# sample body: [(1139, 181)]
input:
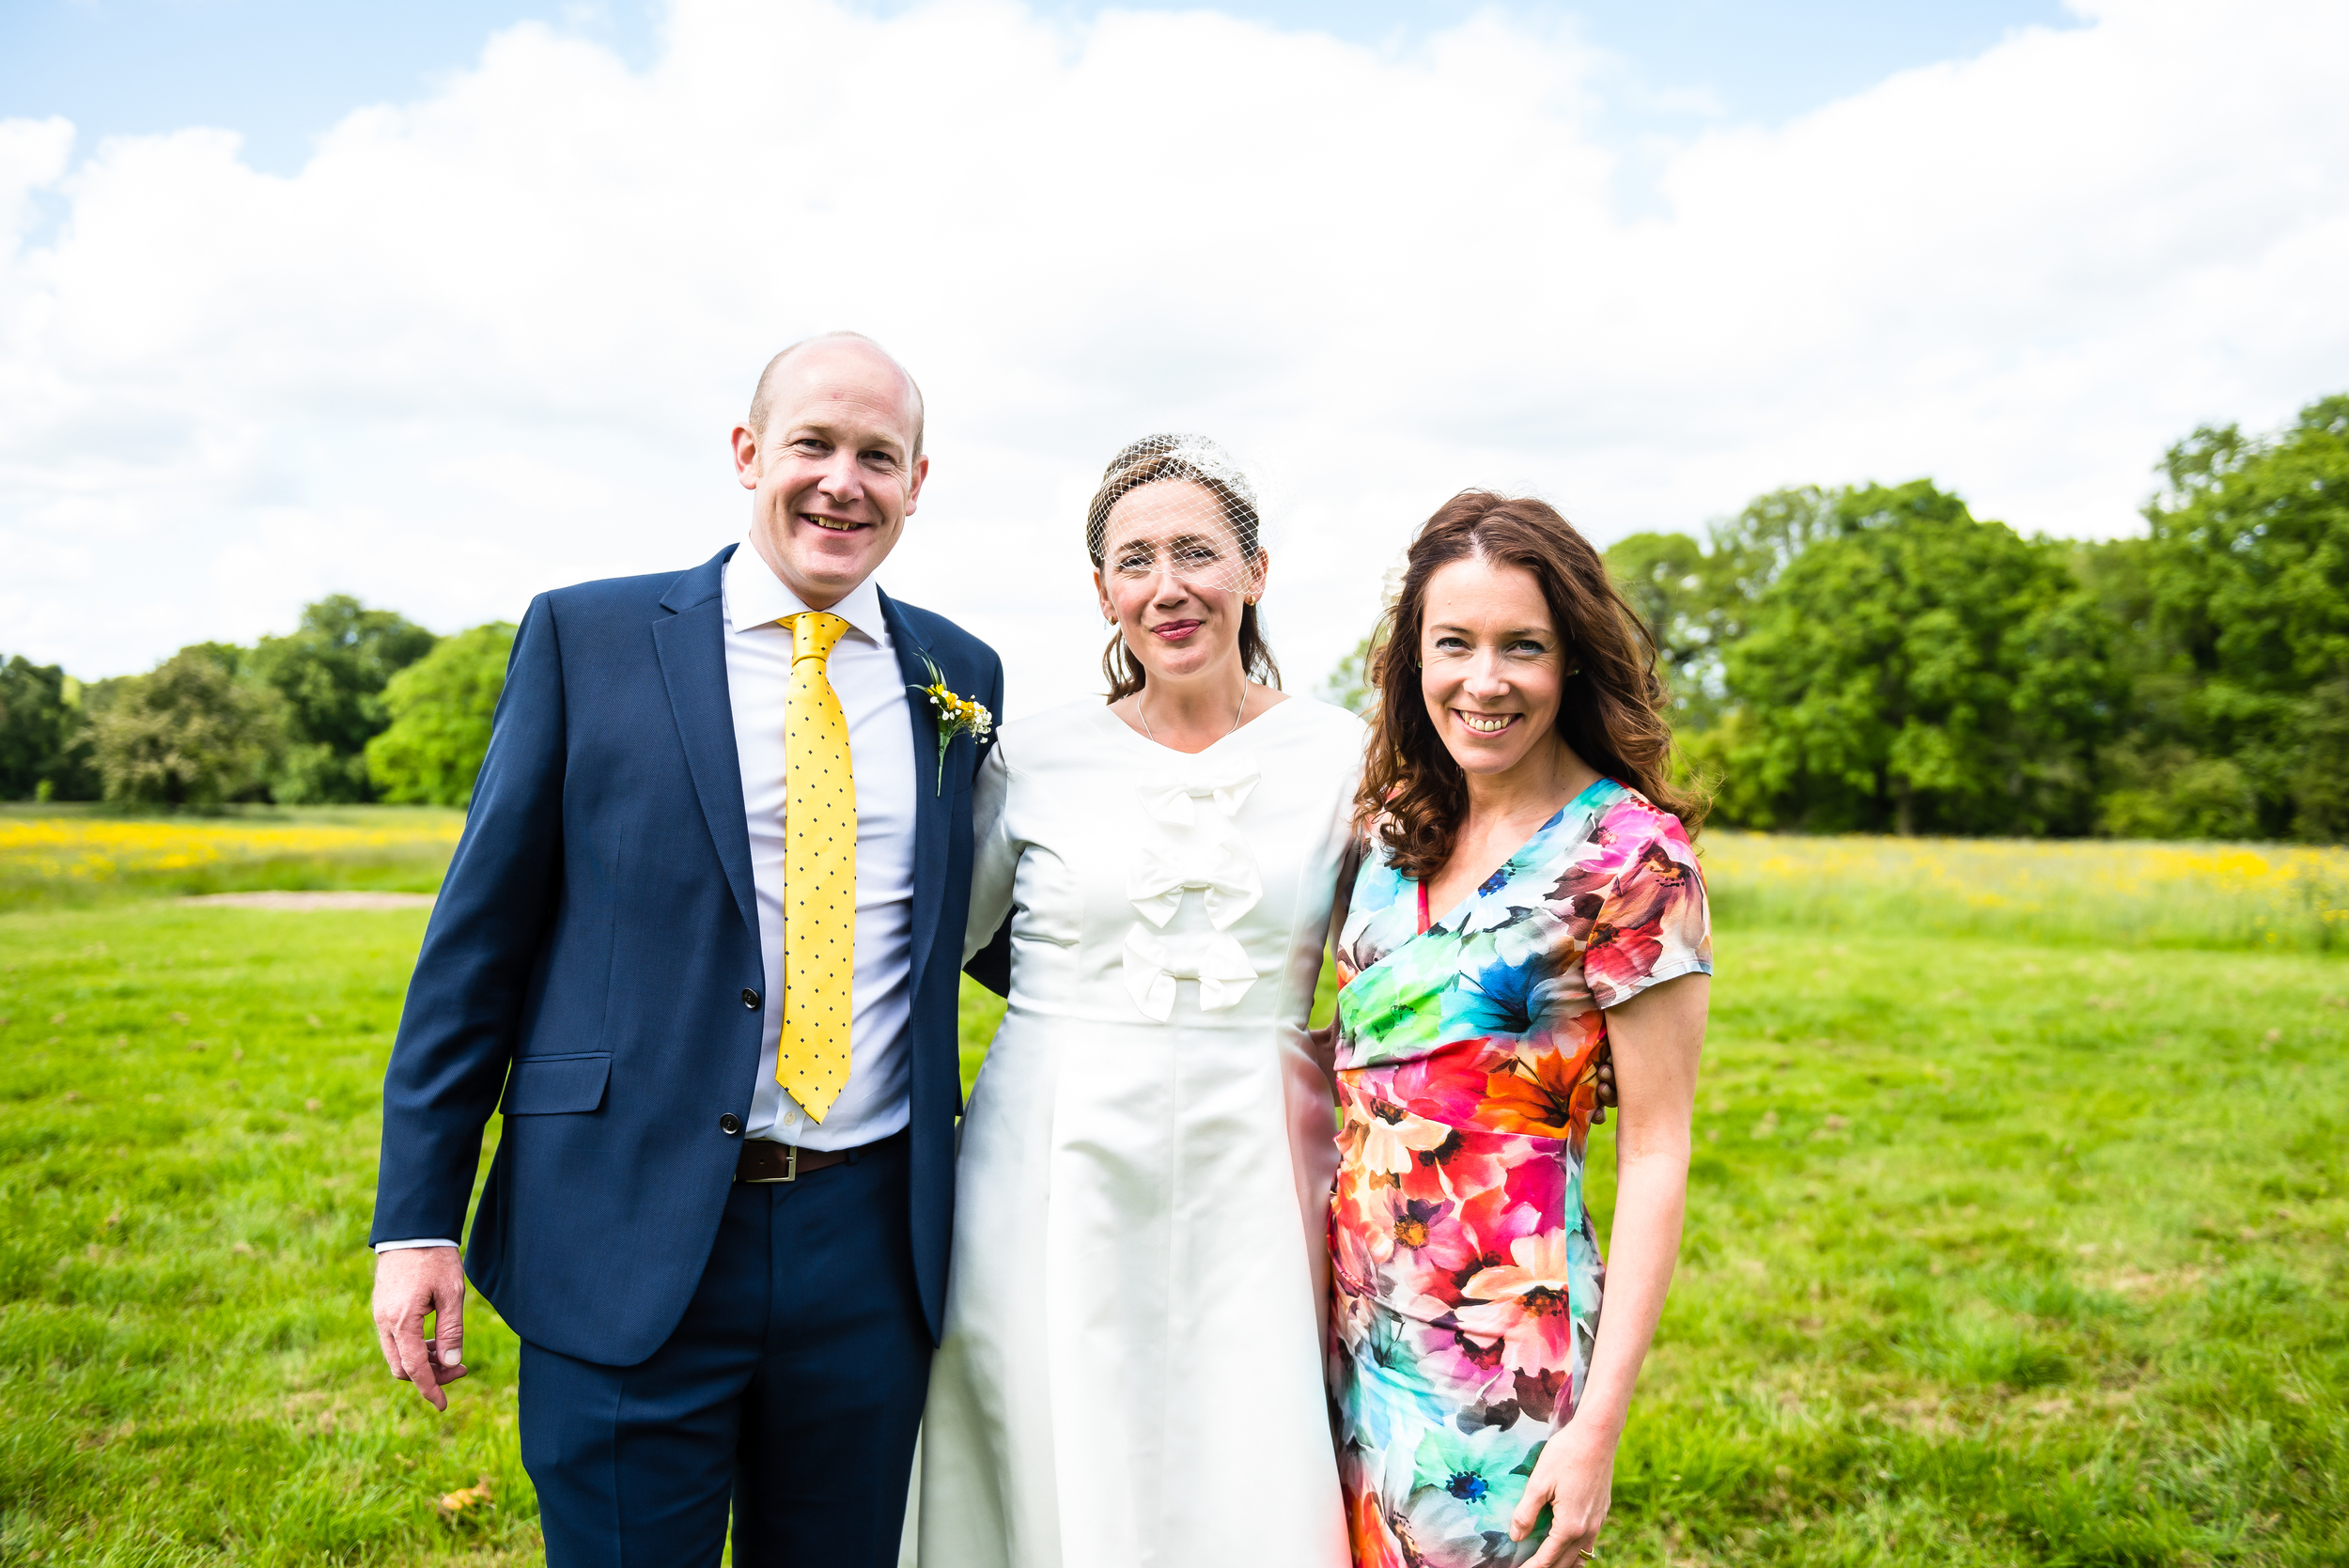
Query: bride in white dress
[(1132, 1372)]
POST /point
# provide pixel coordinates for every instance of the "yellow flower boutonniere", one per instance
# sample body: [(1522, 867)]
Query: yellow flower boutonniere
[(955, 715)]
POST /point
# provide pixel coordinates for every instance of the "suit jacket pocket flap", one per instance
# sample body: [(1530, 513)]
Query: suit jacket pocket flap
[(549, 1085)]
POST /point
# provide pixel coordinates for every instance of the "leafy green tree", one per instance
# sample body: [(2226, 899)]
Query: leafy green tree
[(1914, 668), (2152, 781), (190, 733), (1349, 683), (1698, 598), (439, 709), (2247, 584), (1750, 551), (1667, 579), (331, 671), (43, 752), (234, 658)]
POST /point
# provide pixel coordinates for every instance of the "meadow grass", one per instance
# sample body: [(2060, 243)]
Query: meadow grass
[(2004, 1254), (2000, 1252), (54, 857), (2272, 898), (188, 1127)]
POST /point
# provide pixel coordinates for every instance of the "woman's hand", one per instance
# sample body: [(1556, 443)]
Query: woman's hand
[(1576, 1478)]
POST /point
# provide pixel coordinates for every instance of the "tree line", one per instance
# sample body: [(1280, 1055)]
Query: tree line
[(1877, 658), (354, 704), (1870, 657)]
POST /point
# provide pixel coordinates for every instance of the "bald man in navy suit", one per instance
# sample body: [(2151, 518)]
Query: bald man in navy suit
[(726, 1299)]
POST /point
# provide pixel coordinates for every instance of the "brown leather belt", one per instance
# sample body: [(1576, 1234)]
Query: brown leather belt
[(765, 1162)]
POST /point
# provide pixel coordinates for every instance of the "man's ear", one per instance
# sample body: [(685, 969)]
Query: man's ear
[(746, 457), (913, 486)]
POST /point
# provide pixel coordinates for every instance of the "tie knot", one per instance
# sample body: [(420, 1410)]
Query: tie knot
[(813, 634)]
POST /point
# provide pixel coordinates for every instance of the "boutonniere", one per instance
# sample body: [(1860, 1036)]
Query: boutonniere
[(955, 715)]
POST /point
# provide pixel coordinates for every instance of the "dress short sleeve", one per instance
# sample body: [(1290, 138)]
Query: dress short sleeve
[(1653, 923)]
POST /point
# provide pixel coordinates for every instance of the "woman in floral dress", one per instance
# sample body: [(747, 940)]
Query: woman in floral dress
[(1529, 906)]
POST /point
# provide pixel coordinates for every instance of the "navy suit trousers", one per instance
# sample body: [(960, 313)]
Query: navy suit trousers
[(789, 1394)]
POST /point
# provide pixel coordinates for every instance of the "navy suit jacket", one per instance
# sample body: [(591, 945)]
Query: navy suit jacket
[(586, 967)]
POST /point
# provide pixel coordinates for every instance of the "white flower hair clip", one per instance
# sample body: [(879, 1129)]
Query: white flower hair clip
[(1391, 585)]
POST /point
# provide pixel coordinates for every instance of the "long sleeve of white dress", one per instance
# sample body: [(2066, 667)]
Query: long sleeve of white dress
[(996, 861)]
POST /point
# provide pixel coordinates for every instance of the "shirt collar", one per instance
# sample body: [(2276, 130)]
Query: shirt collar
[(755, 596)]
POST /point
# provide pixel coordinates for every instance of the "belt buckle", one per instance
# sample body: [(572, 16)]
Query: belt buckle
[(790, 1168)]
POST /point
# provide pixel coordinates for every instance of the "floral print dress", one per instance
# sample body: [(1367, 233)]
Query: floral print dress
[(1468, 1274)]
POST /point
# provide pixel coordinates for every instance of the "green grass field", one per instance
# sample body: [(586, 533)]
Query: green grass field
[(2020, 1245)]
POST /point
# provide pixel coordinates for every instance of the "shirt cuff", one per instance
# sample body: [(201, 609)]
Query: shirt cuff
[(404, 1246)]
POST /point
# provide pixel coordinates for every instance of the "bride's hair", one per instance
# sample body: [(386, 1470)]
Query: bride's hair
[(1611, 710), (1157, 460)]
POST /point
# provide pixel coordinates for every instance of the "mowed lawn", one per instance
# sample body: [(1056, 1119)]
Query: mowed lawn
[(2001, 1250)]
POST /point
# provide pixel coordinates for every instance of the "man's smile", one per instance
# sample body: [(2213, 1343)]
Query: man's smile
[(832, 525)]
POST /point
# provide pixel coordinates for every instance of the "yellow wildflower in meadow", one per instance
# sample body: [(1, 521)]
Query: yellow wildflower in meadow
[(2157, 895), (97, 850)]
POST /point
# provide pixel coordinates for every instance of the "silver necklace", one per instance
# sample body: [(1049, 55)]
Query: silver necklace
[(1235, 713)]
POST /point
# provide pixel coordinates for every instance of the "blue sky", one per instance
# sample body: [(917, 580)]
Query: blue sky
[(280, 72)]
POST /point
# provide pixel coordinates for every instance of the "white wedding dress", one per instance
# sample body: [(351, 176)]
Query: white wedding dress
[(1132, 1368)]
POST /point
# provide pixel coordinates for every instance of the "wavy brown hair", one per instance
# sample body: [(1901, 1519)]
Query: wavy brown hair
[(1612, 709), (1153, 460)]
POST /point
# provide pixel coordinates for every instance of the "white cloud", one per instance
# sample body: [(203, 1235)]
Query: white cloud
[(491, 341)]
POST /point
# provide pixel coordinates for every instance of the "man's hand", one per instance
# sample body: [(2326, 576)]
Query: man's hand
[(411, 1282)]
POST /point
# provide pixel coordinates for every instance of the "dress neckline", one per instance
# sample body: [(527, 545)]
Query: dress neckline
[(1479, 892), (1161, 749)]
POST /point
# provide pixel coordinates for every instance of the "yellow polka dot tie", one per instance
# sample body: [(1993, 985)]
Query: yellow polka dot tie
[(819, 873)]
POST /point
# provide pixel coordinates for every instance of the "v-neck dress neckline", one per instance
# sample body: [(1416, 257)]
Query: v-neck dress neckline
[(1497, 880)]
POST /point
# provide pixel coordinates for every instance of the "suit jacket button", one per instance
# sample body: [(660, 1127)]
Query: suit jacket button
[(729, 1124), (750, 999)]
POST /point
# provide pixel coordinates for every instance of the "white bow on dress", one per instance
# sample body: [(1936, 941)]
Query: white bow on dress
[(1173, 798), (1226, 872), (1154, 964)]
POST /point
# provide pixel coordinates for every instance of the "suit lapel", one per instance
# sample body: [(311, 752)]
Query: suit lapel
[(690, 641), (931, 808)]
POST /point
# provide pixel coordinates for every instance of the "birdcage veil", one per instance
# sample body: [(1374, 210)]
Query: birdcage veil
[(1180, 504)]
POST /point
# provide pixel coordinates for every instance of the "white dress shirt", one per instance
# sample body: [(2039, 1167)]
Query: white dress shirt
[(873, 697), (872, 692)]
